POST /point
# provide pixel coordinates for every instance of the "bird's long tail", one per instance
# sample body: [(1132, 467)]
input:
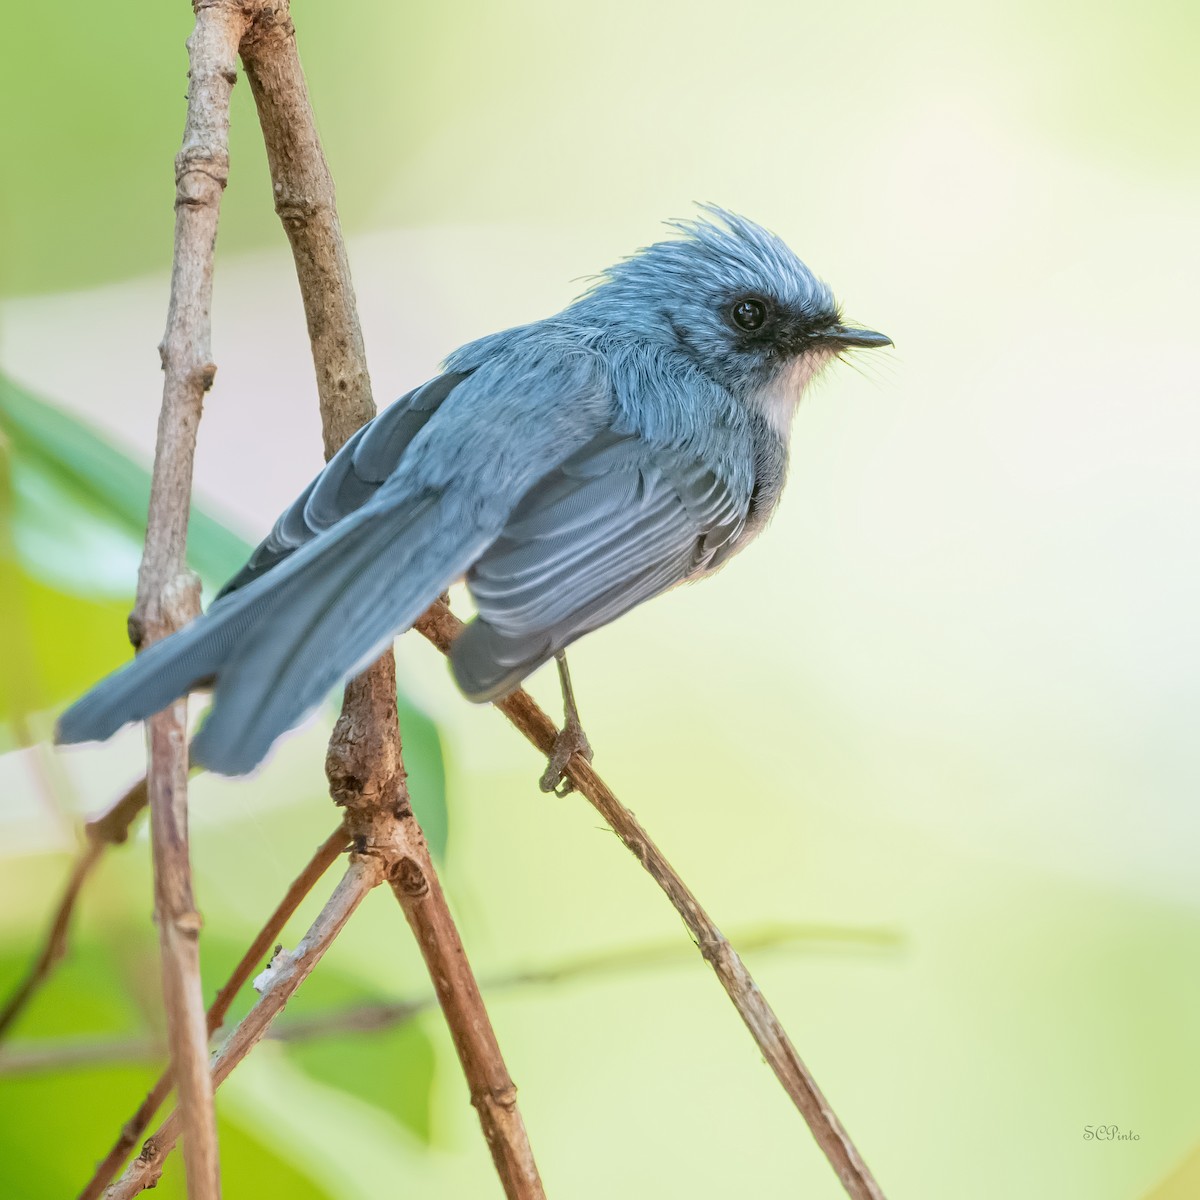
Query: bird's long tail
[(276, 647)]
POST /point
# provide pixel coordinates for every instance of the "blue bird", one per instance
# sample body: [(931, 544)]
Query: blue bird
[(569, 469)]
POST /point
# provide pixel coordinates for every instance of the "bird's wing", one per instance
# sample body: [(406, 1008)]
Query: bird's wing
[(616, 523), (277, 645), (350, 478)]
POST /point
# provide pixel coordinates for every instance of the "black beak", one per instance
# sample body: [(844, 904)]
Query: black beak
[(842, 335)]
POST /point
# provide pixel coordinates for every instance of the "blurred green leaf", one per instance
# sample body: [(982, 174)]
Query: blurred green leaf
[(391, 1070), (55, 1127), (39, 623), (60, 462), (53, 644), (424, 760), (72, 518), (98, 994), (250, 1166)]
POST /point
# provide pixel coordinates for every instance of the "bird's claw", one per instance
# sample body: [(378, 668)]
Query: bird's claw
[(569, 741)]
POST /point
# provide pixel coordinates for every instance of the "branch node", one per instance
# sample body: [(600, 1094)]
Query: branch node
[(188, 924), (498, 1097), (268, 22), (175, 605), (197, 168), (407, 876), (295, 211)]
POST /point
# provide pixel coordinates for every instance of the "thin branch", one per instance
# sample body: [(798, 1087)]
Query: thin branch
[(306, 204), (285, 974), (110, 826), (440, 626), (68, 1054), (40, 1056), (365, 765), (493, 1093), (55, 944), (326, 854), (168, 594)]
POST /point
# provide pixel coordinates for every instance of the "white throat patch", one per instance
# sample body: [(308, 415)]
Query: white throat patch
[(778, 400)]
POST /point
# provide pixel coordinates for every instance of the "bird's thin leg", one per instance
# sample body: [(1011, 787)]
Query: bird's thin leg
[(570, 740)]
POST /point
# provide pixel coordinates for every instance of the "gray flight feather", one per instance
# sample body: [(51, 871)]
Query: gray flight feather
[(350, 478), (615, 524)]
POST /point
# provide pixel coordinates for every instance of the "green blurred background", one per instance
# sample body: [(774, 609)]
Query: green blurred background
[(942, 715)]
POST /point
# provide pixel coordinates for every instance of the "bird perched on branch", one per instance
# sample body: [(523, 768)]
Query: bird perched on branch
[(569, 469)]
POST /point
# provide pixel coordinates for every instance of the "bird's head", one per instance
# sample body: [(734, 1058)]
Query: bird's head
[(733, 298)]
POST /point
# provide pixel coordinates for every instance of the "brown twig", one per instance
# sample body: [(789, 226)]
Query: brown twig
[(326, 854), (307, 206), (440, 626), (492, 1090), (108, 827), (55, 944), (286, 973), (367, 778), (113, 824), (365, 765), (40, 1056), (168, 594)]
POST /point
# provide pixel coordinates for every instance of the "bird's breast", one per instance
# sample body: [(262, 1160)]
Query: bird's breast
[(777, 399)]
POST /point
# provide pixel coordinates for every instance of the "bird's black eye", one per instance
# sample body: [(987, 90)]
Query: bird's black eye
[(748, 313)]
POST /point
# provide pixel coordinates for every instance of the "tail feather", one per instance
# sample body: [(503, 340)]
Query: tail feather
[(279, 645), (159, 675), (338, 622)]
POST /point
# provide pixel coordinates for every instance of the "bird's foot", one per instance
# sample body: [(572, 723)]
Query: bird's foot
[(569, 741)]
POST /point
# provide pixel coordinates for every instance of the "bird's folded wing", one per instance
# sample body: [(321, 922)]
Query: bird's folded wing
[(350, 478), (617, 523)]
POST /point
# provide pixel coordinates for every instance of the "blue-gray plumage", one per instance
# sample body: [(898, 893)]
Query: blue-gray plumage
[(570, 469)]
